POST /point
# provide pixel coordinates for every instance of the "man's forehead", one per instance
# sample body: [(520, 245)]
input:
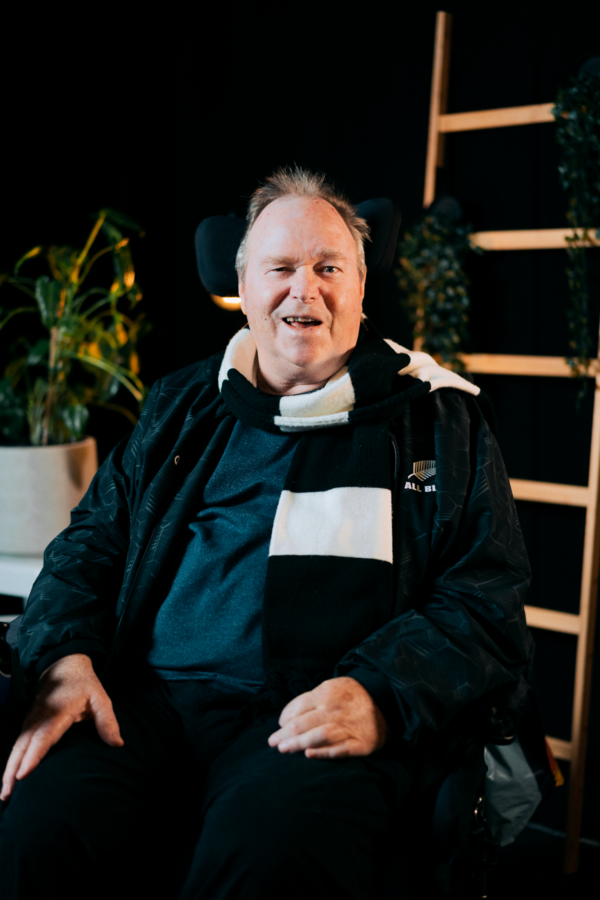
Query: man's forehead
[(313, 223), (306, 217), (300, 230), (293, 206)]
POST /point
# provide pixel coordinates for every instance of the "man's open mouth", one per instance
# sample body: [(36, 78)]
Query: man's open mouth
[(301, 321)]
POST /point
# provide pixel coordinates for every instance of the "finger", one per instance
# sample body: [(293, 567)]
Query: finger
[(14, 762), (322, 736), (44, 737), (298, 725), (32, 723), (105, 719), (335, 751), (300, 704)]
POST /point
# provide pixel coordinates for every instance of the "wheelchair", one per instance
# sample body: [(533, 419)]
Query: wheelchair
[(447, 848)]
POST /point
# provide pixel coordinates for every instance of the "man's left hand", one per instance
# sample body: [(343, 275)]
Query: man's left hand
[(338, 718)]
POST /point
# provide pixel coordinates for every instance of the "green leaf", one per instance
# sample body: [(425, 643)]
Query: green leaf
[(62, 262), (107, 298), (134, 295), (119, 218), (113, 235), (127, 378), (75, 417), (38, 355), (109, 389), (30, 253), (15, 312), (47, 294), (123, 266)]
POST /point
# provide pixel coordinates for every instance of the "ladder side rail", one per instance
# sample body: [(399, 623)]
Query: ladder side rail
[(585, 647), (438, 102)]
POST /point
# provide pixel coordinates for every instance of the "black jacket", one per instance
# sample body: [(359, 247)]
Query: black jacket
[(456, 647)]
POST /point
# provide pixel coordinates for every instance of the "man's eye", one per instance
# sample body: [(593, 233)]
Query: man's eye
[(330, 269)]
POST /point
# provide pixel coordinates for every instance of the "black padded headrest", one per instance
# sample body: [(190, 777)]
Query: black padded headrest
[(384, 219), (218, 238)]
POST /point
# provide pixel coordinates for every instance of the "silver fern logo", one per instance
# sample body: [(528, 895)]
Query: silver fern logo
[(423, 469)]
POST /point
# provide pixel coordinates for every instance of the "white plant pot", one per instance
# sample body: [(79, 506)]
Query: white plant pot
[(39, 486)]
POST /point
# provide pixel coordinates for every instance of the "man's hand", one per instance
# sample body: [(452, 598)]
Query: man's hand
[(338, 718), (69, 692)]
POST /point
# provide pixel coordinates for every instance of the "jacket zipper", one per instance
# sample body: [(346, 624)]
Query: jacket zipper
[(395, 566), (396, 466)]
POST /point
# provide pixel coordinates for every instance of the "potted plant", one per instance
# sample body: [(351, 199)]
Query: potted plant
[(83, 353), (434, 284)]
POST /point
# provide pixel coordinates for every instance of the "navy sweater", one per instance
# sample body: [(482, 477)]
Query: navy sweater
[(209, 625)]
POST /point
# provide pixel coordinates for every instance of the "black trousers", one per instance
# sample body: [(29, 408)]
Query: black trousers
[(197, 805)]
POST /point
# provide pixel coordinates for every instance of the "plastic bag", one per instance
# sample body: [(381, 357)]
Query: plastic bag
[(520, 776)]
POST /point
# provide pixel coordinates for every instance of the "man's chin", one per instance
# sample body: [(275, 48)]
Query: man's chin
[(305, 357), (315, 366), (307, 345)]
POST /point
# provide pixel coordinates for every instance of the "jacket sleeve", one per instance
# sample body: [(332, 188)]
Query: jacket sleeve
[(464, 646), (71, 608)]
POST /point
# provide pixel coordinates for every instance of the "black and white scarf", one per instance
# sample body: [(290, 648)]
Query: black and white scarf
[(330, 570)]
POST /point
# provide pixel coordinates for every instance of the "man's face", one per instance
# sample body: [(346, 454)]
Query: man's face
[(302, 264)]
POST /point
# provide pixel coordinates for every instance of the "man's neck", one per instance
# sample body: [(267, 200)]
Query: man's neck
[(295, 380), (282, 388)]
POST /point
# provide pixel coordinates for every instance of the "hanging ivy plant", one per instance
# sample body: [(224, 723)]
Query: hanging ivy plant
[(435, 287), (577, 114)]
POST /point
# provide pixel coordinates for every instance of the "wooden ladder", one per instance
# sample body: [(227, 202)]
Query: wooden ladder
[(582, 625)]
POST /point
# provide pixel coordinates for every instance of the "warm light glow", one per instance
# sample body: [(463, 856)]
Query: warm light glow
[(230, 303)]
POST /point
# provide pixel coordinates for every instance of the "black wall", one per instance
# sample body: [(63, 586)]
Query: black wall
[(183, 125)]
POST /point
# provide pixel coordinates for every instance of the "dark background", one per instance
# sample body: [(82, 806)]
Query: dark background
[(172, 122)]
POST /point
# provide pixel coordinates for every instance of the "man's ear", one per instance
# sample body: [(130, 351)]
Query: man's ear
[(241, 296), (362, 287)]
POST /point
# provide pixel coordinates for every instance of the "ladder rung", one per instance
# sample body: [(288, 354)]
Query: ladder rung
[(552, 620), (507, 364), (529, 239), (548, 492), (560, 749), (496, 118)]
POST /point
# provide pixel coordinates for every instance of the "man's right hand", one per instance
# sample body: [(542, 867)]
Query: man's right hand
[(69, 692)]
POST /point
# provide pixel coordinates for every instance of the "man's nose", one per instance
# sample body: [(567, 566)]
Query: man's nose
[(305, 284)]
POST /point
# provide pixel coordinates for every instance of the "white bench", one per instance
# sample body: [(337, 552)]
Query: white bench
[(17, 574)]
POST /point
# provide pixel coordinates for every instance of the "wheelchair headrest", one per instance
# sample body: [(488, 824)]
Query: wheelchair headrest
[(218, 238)]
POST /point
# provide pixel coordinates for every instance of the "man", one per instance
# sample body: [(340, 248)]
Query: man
[(305, 558)]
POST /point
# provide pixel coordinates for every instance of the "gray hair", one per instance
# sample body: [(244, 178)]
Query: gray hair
[(298, 182)]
